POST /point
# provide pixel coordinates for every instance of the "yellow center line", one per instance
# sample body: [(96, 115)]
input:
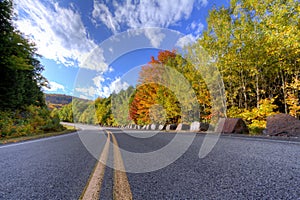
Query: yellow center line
[(92, 190), (121, 189)]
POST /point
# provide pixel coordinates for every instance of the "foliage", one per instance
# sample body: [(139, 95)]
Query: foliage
[(249, 53), (293, 95), (172, 83), (104, 114), (22, 105), (256, 47), (88, 116), (121, 103), (256, 117), (33, 120), (65, 114), (21, 79)]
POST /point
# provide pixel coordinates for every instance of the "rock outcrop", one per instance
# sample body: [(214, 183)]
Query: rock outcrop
[(283, 125), (232, 125)]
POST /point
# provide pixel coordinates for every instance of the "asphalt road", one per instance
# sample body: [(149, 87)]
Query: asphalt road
[(51, 168), (236, 168)]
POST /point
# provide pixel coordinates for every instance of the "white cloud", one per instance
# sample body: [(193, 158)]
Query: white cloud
[(117, 85), (88, 92), (83, 97), (98, 80), (196, 27), (58, 32), (185, 40), (142, 14), (155, 37), (110, 69), (95, 61), (100, 90), (102, 13), (55, 87), (201, 3)]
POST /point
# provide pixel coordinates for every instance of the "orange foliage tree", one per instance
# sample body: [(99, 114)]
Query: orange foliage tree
[(150, 92)]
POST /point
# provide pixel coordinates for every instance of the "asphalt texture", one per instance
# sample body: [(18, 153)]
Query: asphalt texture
[(52, 168), (236, 168)]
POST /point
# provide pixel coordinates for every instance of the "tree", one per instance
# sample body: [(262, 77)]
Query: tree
[(172, 84), (104, 114), (89, 115), (120, 105), (255, 46), (20, 69)]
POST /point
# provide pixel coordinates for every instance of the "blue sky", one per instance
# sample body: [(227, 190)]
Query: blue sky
[(91, 48)]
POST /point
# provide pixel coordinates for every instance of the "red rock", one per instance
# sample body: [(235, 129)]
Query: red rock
[(283, 125), (232, 125)]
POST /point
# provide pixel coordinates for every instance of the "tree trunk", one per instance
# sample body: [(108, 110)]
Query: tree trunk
[(284, 92), (244, 90), (257, 92)]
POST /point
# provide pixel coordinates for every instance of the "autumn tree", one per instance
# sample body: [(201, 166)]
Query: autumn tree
[(174, 84), (255, 46)]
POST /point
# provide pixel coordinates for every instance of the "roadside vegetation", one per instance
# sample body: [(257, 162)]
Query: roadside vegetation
[(254, 45), (66, 129), (23, 110)]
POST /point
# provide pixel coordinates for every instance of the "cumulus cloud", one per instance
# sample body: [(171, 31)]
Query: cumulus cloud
[(58, 32), (100, 89), (55, 87), (88, 92), (185, 40), (98, 80), (117, 85), (114, 87), (95, 61)]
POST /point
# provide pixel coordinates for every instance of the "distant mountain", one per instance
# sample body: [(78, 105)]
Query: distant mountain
[(59, 100)]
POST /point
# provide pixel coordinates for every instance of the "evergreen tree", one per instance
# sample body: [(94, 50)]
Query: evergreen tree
[(20, 69)]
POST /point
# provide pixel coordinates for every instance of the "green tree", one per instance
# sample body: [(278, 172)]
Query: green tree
[(104, 114), (89, 115), (20, 69), (255, 46)]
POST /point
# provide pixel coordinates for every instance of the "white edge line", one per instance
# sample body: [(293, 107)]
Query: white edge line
[(37, 140)]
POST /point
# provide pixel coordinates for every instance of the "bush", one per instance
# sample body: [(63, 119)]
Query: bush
[(256, 117), (33, 120)]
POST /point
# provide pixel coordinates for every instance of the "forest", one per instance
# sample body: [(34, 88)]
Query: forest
[(23, 110), (255, 48), (245, 64)]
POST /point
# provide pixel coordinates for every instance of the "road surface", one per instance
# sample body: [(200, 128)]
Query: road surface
[(62, 167)]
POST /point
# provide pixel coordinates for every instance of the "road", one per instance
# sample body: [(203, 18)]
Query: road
[(62, 167)]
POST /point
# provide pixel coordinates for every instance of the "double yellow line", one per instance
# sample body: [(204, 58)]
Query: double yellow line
[(121, 187)]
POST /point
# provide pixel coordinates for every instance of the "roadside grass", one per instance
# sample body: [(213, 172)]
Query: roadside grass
[(69, 129)]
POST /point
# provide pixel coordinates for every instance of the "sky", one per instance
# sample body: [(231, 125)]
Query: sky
[(92, 48)]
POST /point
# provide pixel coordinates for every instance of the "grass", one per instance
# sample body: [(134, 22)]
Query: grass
[(69, 129)]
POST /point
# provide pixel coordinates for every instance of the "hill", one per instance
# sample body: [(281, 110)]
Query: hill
[(59, 100)]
